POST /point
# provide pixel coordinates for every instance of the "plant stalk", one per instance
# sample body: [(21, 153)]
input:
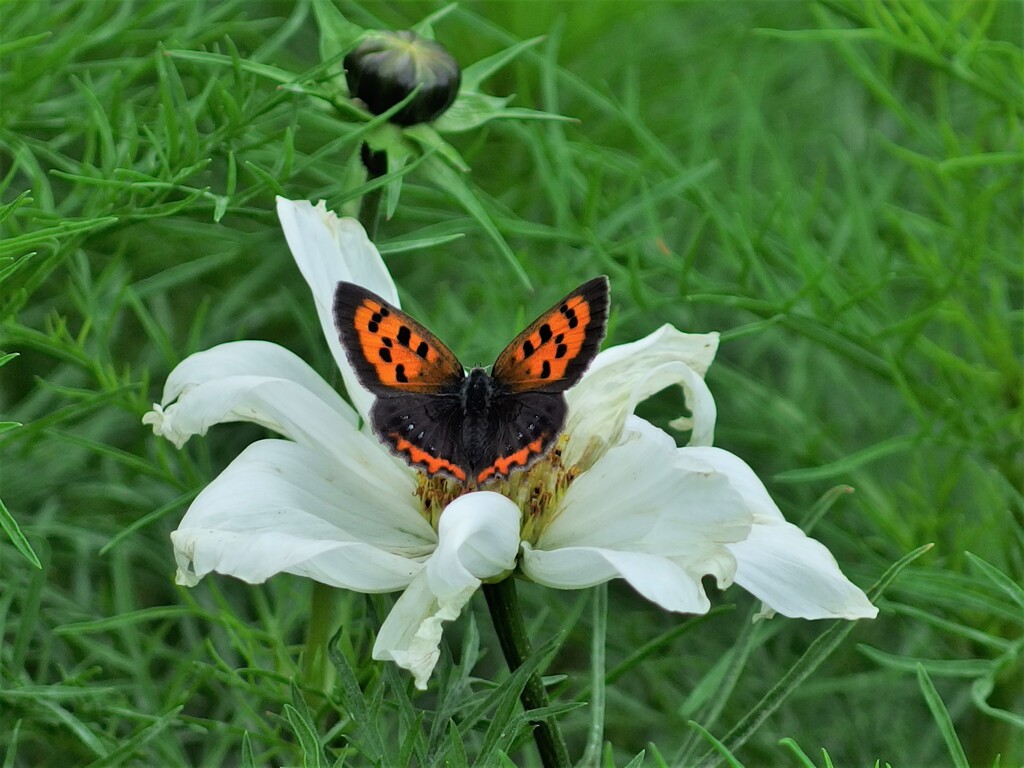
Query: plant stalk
[(503, 602), (376, 164), (323, 618)]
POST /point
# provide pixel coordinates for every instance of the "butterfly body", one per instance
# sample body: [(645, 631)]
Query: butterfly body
[(472, 427)]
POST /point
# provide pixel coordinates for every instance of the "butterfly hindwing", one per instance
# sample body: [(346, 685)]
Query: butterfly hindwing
[(555, 350), (424, 430), (391, 352), (523, 427)]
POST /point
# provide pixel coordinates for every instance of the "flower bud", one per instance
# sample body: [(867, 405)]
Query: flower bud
[(388, 66)]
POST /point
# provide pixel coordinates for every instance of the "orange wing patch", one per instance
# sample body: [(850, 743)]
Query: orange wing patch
[(559, 345), (391, 352), (504, 465), (432, 464)]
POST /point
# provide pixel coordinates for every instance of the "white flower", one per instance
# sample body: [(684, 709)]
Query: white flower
[(617, 500)]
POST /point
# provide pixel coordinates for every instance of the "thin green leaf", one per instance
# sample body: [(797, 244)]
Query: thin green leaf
[(822, 647), (1012, 589), (337, 34), (10, 527), (845, 466), (717, 745), (474, 75), (942, 718), (451, 182), (595, 734), (128, 749)]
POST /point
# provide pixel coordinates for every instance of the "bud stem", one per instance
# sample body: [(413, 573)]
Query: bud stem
[(503, 602), (376, 164)]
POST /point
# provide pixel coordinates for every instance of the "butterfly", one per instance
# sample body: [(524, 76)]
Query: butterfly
[(478, 426)]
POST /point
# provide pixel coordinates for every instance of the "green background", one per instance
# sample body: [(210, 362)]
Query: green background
[(835, 186)]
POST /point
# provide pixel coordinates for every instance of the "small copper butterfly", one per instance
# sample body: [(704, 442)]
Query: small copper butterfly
[(479, 426)]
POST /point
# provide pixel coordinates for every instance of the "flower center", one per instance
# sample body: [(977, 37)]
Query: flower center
[(536, 490)]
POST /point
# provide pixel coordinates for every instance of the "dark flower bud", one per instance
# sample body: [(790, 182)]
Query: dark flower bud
[(387, 67)]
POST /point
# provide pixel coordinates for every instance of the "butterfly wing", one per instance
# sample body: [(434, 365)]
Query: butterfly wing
[(416, 378), (554, 351), (523, 427), (391, 353), (424, 430)]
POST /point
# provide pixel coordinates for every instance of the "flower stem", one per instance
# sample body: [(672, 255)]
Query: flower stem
[(376, 164), (316, 667), (503, 602)]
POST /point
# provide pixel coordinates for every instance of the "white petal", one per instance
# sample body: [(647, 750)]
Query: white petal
[(251, 358), (641, 515), (327, 250), (741, 477), (302, 407), (478, 539), (778, 563), (640, 497), (797, 575), (282, 507), (622, 376), (659, 579)]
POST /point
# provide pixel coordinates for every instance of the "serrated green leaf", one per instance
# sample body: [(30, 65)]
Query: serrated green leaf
[(305, 734)]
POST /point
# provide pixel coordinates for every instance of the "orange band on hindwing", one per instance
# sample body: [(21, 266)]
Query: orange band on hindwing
[(432, 464), (505, 464)]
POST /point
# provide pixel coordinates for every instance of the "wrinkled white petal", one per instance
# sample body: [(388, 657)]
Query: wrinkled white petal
[(285, 407), (622, 376), (266, 384), (796, 575), (778, 563), (327, 250), (641, 515), (640, 497), (478, 537), (659, 579), (251, 358), (283, 507)]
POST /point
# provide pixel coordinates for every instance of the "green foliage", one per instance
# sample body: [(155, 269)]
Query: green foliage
[(834, 185)]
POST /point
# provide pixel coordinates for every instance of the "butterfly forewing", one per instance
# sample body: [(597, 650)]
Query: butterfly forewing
[(391, 353), (555, 350)]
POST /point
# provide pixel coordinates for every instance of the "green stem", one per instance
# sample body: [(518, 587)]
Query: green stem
[(376, 164), (503, 602), (316, 666)]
